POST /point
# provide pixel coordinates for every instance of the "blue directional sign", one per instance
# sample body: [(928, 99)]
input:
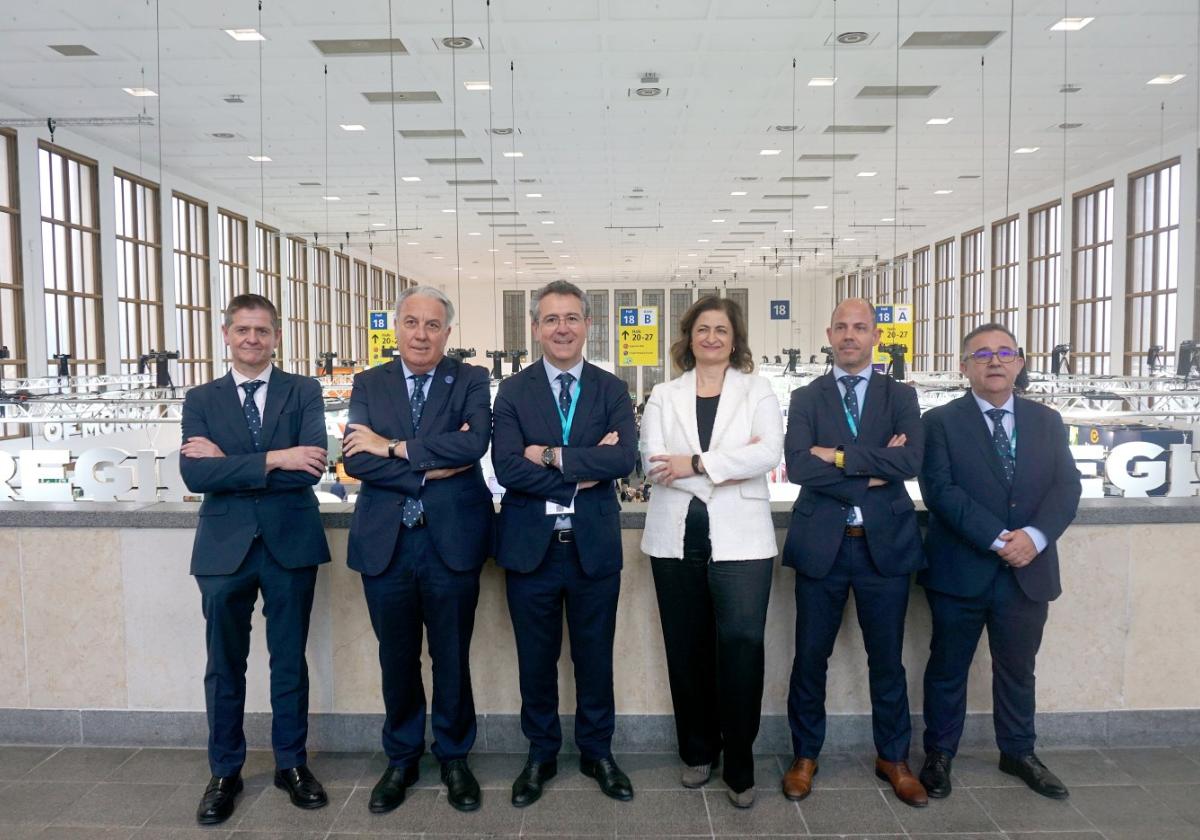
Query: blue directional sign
[(781, 310)]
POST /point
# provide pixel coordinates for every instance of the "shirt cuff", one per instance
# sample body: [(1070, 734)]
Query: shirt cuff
[(998, 543), (1039, 539)]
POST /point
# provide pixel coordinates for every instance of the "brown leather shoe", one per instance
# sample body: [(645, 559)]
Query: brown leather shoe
[(797, 781), (908, 789)]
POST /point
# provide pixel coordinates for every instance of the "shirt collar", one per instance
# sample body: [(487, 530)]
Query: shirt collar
[(408, 373), (986, 406), (552, 372), (264, 376), (865, 373)]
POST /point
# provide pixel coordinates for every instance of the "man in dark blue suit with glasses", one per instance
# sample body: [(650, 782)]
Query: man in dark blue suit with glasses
[(1001, 488), (254, 445)]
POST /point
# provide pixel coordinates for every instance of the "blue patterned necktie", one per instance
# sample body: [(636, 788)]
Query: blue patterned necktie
[(250, 409), (565, 381), (851, 403), (1002, 443), (413, 507)]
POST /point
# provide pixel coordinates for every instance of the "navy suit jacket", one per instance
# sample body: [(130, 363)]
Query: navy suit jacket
[(459, 508), (969, 502), (816, 417), (525, 414), (240, 497)]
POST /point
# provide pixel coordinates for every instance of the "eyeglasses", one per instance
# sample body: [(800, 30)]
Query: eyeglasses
[(1006, 355), (571, 320)]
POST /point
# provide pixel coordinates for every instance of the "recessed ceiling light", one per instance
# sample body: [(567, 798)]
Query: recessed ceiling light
[(378, 224), (849, 239), (547, 221), (867, 174), (493, 250), (352, 127), (556, 242), (245, 34), (331, 197), (764, 247), (412, 243), (939, 121), (718, 221), (439, 258), (820, 206), (789, 230), (701, 240), (888, 219), (1071, 24), (822, 81), (1166, 79), (449, 210), (692, 255), (477, 86), (139, 91), (259, 158), (564, 256), (942, 192), (514, 154), (474, 233), (685, 266), (533, 195), (1026, 150), (411, 178), (770, 151), (738, 192)]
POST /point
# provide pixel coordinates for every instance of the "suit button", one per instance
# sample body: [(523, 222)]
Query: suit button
[(1012, 504)]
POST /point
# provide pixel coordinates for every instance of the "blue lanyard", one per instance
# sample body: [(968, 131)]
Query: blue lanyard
[(568, 418), (850, 420)]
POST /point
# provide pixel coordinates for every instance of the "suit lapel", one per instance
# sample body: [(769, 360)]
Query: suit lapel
[(1026, 443), (977, 427), (437, 390), (874, 408), (279, 389), (541, 397), (398, 392), (683, 400), (833, 404), (229, 403), (589, 398), (733, 392)]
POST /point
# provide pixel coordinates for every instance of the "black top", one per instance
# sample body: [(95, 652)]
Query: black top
[(696, 543), (706, 416)]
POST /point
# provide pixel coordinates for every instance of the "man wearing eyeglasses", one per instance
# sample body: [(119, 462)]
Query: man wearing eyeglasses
[(1001, 488)]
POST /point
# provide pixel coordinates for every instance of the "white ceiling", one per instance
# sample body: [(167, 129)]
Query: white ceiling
[(587, 145)]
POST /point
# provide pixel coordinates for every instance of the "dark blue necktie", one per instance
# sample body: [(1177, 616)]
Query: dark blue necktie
[(851, 398), (1002, 443), (250, 409), (413, 507), (565, 381)]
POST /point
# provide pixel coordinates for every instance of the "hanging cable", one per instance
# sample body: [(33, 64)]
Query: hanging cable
[(1012, 38), (492, 165), (158, 82), (262, 189), (512, 75), (454, 141), (833, 162), (395, 177)]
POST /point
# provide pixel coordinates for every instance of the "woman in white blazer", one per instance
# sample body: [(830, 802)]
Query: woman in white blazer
[(708, 440)]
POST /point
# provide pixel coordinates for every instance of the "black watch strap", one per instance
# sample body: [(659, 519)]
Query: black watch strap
[(696, 465)]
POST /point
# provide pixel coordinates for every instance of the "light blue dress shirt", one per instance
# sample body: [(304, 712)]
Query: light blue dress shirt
[(861, 391), (1009, 422), (562, 522)]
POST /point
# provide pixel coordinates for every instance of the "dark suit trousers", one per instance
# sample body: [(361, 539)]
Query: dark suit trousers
[(1014, 623), (535, 602), (228, 603), (881, 602), (415, 588), (713, 618)]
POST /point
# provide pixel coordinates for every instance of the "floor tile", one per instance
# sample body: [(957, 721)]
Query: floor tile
[(1055, 835), (955, 813), (770, 814), (410, 818), (496, 815), (116, 804), (1130, 808), (1183, 799), (81, 764), (178, 810), (159, 832), (40, 803), (341, 769), (848, 811), (15, 762), (278, 835), (1085, 767), (980, 769), (273, 810), (1152, 765), (1020, 809), (660, 771), (571, 812), (494, 771), (164, 766), (969, 836), (661, 813), (85, 832)]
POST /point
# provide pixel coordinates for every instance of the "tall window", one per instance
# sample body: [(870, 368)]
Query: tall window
[(71, 259), (268, 276), (681, 299), (883, 284), (974, 306), (359, 307), (233, 257), (392, 286), (1091, 281), (1006, 271), (901, 283), (922, 311), (139, 268), (12, 299), (1045, 271), (193, 291), (377, 297), (321, 302), (515, 319), (297, 334), (597, 340), (840, 289), (1153, 265), (343, 336), (628, 375), (653, 374), (945, 307)]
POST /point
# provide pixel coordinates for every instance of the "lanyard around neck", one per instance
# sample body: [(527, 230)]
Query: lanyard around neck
[(568, 418)]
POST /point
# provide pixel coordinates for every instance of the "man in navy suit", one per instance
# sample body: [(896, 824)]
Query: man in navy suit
[(853, 438), (1001, 488), (564, 432), (420, 535), (254, 445)]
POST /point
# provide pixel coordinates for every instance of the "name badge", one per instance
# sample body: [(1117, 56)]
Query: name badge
[(555, 509)]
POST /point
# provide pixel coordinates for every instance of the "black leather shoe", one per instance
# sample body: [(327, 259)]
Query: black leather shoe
[(935, 774), (1030, 770), (613, 782), (461, 788), (527, 789), (219, 799), (302, 787), (389, 791)]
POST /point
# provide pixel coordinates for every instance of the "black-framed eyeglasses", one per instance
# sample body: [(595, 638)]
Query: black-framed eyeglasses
[(1006, 355)]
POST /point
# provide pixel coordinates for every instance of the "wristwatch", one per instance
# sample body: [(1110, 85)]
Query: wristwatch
[(548, 457), (697, 467), (839, 458), (392, 444)]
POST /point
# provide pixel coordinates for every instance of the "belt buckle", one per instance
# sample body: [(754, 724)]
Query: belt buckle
[(565, 535)]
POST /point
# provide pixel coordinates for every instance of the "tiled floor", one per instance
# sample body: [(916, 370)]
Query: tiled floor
[(118, 794)]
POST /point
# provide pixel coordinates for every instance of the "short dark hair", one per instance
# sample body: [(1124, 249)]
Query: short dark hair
[(251, 302), (870, 306), (740, 356), (557, 287), (983, 328)]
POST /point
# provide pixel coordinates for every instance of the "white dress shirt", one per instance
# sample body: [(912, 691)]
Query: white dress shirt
[(861, 390), (563, 522), (260, 396)]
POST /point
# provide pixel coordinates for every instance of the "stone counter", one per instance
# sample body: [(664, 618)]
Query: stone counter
[(101, 638)]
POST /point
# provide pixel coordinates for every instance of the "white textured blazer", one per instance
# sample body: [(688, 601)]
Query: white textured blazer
[(739, 514)]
